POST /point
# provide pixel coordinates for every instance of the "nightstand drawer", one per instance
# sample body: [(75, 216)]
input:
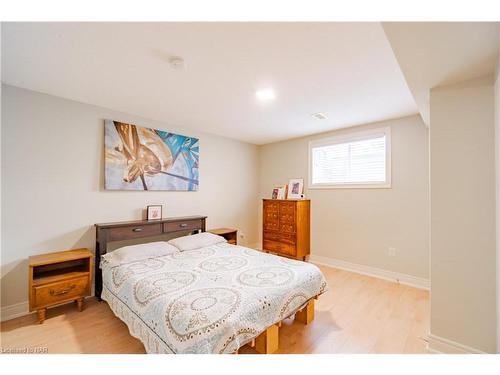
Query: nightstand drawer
[(53, 293)]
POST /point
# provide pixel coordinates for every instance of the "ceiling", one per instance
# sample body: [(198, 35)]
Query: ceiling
[(347, 71), (433, 54)]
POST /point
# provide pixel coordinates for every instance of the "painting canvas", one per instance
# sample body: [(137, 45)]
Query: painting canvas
[(140, 158)]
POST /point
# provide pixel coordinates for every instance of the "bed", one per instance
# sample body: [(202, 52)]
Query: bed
[(206, 299)]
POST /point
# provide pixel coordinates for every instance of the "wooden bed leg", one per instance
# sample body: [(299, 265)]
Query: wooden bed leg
[(306, 315), (267, 341)]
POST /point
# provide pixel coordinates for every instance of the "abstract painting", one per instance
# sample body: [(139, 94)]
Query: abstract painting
[(139, 158)]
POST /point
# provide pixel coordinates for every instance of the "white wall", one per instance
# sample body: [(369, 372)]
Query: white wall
[(359, 225), (52, 175), (462, 176)]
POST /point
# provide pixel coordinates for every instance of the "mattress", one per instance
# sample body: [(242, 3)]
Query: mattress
[(214, 299)]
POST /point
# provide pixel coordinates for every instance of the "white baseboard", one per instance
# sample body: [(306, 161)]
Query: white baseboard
[(440, 345), (402, 278), (14, 311), (256, 246)]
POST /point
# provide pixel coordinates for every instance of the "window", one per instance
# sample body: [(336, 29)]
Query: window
[(357, 160)]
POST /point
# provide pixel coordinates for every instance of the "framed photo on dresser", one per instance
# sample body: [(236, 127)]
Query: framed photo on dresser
[(295, 188), (282, 192), (275, 193), (279, 192)]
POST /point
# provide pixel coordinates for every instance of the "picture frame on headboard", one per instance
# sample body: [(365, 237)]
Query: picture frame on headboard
[(154, 212)]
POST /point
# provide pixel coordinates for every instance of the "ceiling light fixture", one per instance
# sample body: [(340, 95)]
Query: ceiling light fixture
[(265, 95), (319, 116), (176, 62)]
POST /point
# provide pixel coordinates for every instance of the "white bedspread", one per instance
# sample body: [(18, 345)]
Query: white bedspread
[(209, 300)]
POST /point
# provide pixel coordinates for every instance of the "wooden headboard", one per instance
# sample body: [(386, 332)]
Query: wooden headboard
[(129, 230)]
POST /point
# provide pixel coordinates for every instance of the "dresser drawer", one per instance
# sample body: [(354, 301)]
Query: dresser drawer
[(182, 225), (287, 207), (288, 239), (271, 220), (279, 247), (287, 212), (271, 245), (287, 218), (271, 206), (287, 228), (125, 233), (53, 293), (271, 216), (272, 236), (280, 237), (271, 225)]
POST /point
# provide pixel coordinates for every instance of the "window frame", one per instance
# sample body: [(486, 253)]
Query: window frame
[(353, 137)]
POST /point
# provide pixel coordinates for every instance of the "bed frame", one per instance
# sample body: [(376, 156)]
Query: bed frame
[(265, 343)]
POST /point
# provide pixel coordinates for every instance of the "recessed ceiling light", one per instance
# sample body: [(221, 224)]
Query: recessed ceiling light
[(265, 95), (319, 116), (176, 62)]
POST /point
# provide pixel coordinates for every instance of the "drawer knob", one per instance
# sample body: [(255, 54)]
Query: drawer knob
[(137, 230), (183, 225), (61, 292)]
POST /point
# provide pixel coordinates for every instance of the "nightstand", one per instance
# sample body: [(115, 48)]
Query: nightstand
[(231, 235), (59, 277)]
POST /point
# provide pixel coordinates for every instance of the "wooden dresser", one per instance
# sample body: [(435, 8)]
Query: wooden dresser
[(286, 226)]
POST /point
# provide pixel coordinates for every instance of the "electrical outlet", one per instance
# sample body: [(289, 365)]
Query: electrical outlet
[(391, 251)]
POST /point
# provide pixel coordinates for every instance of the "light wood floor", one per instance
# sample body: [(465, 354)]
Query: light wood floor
[(358, 314)]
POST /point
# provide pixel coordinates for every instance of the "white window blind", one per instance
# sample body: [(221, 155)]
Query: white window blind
[(362, 159)]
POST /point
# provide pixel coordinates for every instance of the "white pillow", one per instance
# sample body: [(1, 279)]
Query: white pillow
[(195, 241), (133, 253)]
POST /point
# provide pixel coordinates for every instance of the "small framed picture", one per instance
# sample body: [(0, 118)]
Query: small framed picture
[(154, 212), (282, 192), (295, 188), (279, 192), (275, 193)]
